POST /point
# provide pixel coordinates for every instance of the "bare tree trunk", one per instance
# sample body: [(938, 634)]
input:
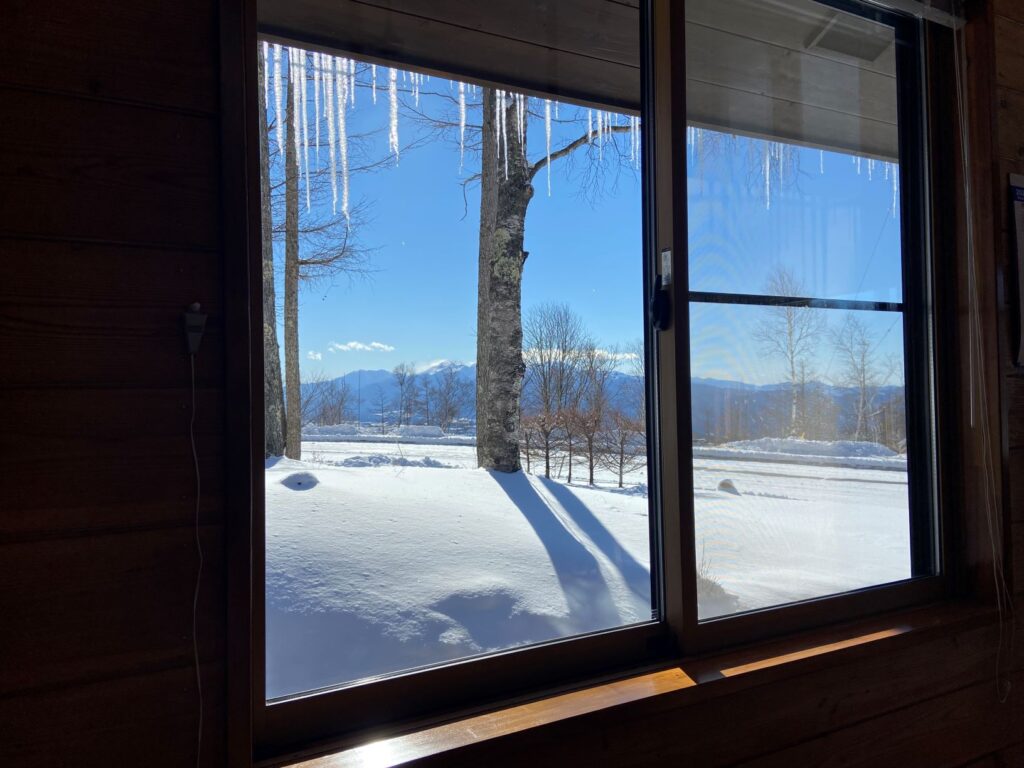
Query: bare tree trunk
[(273, 395), (503, 202), (590, 460), (293, 442)]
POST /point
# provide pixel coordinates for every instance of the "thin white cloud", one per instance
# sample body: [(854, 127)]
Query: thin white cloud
[(314, 355), (358, 346)]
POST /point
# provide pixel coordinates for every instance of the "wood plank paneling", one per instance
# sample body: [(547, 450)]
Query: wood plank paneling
[(156, 53), (144, 720), (1016, 472), (939, 732), (124, 455), (109, 144), (103, 315), (107, 172), (103, 346), (1009, 55), (122, 603), (424, 41), (1017, 556), (1011, 124), (1010, 9)]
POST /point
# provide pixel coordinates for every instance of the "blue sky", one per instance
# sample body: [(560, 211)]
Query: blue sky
[(822, 217)]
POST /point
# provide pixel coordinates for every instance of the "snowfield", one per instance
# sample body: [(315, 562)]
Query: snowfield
[(382, 557)]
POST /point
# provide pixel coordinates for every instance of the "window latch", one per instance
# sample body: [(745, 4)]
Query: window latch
[(661, 308)]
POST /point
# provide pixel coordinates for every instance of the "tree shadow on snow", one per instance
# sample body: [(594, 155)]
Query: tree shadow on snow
[(636, 576), (590, 602)]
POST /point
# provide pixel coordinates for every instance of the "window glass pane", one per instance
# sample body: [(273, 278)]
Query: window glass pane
[(799, 491), (799, 425), (792, 150), (461, 467)]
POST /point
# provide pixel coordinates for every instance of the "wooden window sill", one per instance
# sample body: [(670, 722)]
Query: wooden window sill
[(691, 680)]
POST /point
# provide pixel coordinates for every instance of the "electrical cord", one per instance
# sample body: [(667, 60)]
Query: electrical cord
[(199, 551)]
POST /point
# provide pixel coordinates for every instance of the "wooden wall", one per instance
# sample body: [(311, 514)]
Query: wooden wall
[(109, 228), (1009, 120), (110, 224)]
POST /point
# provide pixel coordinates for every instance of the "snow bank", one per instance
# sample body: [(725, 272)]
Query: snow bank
[(415, 434), (844, 448), (377, 460), (825, 453), (419, 430)]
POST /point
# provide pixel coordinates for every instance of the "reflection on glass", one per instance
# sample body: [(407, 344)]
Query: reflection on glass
[(799, 427), (800, 476), (439, 487)]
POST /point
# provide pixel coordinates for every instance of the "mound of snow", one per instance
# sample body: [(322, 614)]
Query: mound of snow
[(824, 453), (334, 430), (797, 447), (419, 430)]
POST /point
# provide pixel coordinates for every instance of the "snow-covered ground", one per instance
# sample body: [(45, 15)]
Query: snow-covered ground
[(838, 453), (385, 556)]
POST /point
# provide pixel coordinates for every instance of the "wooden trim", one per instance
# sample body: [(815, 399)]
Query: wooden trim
[(535, 54), (243, 425), (691, 680)]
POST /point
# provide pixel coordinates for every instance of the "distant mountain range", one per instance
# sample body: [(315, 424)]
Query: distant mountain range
[(721, 409)]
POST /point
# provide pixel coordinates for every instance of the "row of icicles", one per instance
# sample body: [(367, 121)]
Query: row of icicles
[(334, 89), (778, 161)]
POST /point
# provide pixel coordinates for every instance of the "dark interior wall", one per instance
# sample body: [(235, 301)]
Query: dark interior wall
[(1009, 119), (110, 224), (109, 227)]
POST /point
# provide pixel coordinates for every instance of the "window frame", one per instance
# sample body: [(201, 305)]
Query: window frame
[(930, 580), (395, 703), (389, 703)]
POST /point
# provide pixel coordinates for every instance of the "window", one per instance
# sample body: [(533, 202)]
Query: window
[(486, 471), (461, 466), (810, 401)]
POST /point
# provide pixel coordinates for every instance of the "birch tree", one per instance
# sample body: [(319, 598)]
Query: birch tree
[(790, 334)]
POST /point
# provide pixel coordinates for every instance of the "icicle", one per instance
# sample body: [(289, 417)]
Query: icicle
[(858, 165), (871, 169), (590, 126), (352, 81), (547, 139), (393, 112), (821, 161), (300, 57), (266, 72), (331, 133), (767, 176), (416, 88), (497, 125), (632, 140), (316, 102), (373, 76), (278, 114), (293, 79), (895, 189), (343, 84), (462, 123), (504, 129), (522, 119), (600, 135), (556, 110)]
